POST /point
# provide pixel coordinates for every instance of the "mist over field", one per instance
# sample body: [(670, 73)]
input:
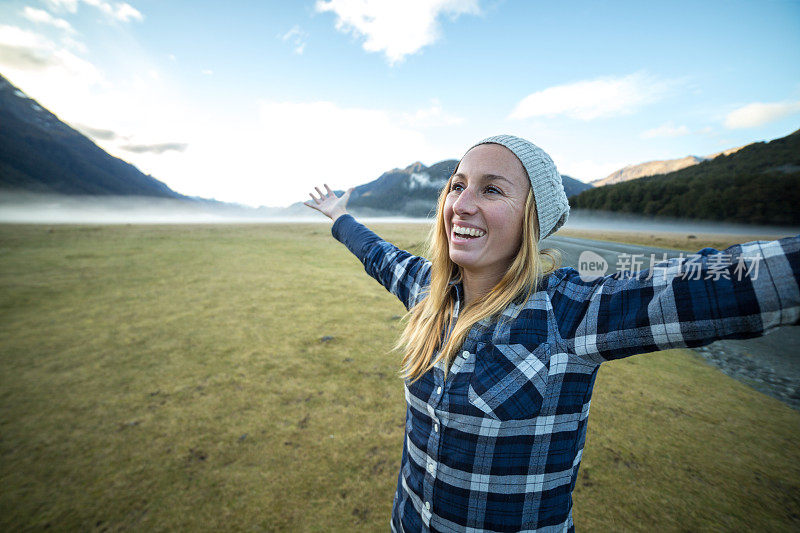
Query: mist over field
[(25, 208), (28, 208), (599, 221)]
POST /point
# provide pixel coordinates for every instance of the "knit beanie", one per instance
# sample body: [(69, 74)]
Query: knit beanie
[(552, 207)]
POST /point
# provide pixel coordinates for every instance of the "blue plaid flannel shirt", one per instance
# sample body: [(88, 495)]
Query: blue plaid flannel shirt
[(497, 446)]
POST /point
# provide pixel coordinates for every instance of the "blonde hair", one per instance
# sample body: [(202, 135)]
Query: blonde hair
[(426, 321)]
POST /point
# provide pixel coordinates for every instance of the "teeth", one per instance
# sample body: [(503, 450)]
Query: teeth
[(468, 231)]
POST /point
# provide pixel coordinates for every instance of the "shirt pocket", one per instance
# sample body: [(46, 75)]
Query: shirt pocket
[(509, 380)]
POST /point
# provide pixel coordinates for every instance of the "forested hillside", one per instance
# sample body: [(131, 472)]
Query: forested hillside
[(760, 184)]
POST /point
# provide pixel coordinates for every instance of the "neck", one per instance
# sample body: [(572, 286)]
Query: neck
[(477, 285)]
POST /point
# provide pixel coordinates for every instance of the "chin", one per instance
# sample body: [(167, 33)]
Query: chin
[(460, 261)]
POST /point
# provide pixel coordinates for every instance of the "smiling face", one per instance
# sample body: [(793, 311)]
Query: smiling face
[(487, 199)]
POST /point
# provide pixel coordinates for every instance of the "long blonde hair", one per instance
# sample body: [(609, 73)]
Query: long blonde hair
[(426, 321)]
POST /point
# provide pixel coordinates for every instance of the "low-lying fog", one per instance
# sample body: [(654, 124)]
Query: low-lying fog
[(25, 208)]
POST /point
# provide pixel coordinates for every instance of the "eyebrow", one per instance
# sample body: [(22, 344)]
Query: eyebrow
[(490, 177)]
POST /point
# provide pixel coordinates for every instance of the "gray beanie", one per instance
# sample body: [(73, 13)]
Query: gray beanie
[(552, 206)]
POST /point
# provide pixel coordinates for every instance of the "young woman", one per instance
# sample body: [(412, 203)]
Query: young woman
[(502, 347)]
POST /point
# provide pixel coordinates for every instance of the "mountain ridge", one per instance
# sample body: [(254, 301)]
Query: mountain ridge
[(659, 166), (757, 184), (39, 152)]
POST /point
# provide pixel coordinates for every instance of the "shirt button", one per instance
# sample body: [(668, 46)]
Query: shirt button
[(465, 354), (439, 390), (428, 506), (436, 428), (430, 469)]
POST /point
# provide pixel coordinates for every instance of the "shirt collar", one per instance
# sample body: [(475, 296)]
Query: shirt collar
[(459, 293)]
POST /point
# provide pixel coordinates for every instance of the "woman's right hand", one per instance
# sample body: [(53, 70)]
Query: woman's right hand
[(329, 204)]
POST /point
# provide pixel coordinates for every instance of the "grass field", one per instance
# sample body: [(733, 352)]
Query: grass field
[(175, 378)]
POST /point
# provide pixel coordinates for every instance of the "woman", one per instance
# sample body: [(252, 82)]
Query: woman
[(502, 348)]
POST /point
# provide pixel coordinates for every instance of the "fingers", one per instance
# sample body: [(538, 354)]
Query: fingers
[(323, 195)]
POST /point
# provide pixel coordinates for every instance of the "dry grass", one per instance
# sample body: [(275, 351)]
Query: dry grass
[(174, 377)]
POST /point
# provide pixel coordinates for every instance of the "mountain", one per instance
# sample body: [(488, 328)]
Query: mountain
[(573, 186), (652, 168), (413, 191), (39, 153), (757, 184)]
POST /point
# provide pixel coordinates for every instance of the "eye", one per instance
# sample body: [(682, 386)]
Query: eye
[(489, 188)]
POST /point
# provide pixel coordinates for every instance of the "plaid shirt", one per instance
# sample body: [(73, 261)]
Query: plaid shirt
[(497, 446)]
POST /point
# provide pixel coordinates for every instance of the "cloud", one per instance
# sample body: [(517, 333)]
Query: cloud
[(297, 37), (80, 93), (299, 145), (278, 153), (126, 12), (397, 28), (70, 6), (23, 58), (592, 99), (23, 50), (41, 16), (207, 72), (155, 148), (95, 133), (433, 116), (78, 46), (666, 130), (120, 11), (758, 114)]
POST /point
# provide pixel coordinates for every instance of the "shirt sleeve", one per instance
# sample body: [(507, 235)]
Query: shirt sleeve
[(400, 272), (741, 292)]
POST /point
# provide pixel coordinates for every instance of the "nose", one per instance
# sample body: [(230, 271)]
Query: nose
[(465, 203)]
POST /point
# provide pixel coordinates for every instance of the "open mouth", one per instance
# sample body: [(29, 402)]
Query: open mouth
[(460, 234)]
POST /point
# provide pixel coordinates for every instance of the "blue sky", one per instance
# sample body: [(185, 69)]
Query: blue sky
[(257, 102)]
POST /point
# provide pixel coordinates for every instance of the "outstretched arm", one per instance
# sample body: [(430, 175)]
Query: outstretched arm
[(401, 273), (742, 292)]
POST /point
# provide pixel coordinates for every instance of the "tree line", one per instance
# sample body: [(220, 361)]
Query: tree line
[(760, 184)]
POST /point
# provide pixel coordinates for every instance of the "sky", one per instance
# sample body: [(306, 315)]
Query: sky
[(259, 102)]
